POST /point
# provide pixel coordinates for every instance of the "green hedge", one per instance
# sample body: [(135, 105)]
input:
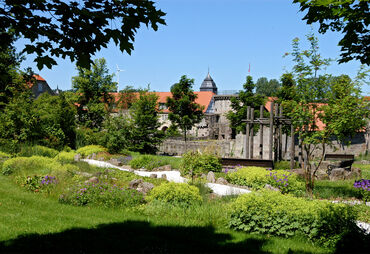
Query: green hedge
[(4, 155), (196, 163), (88, 150), (33, 165), (175, 194), (272, 213), (28, 151), (257, 178), (65, 157)]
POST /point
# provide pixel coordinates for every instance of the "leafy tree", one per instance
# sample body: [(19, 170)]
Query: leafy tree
[(93, 86), (351, 17), (75, 29), (240, 104), (184, 112), (127, 97), (342, 113), (146, 135), (118, 133), (266, 87)]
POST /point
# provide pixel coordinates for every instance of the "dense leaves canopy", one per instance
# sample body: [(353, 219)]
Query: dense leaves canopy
[(351, 17), (75, 29)]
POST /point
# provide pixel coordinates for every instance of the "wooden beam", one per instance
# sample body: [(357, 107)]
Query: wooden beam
[(251, 144), (261, 133), (271, 123), (292, 147), (247, 129)]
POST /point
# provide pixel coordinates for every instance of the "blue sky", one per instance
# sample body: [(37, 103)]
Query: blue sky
[(224, 35)]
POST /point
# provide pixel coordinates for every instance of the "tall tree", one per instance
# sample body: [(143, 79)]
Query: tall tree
[(267, 87), (145, 122), (350, 17), (184, 112), (76, 29), (342, 113), (93, 86), (240, 104)]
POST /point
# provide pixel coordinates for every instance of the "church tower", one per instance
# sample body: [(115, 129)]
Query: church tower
[(208, 85)]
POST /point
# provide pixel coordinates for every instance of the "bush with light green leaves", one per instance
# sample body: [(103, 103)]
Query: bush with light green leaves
[(88, 150), (65, 157), (272, 213), (181, 194), (196, 163)]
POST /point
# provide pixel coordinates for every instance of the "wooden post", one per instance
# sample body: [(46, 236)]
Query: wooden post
[(252, 135), (292, 147), (271, 123), (261, 132), (247, 129), (280, 146), (276, 134)]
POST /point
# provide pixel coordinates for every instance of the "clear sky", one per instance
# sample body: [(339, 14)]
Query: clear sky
[(222, 35)]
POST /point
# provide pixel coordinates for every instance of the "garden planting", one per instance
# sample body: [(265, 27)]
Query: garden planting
[(276, 213)]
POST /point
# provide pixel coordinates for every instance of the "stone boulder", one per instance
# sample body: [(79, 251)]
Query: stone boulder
[(163, 176), (222, 180), (270, 187), (93, 179), (77, 157), (211, 178), (135, 183), (344, 174), (145, 187), (163, 168), (153, 175), (93, 156), (115, 162)]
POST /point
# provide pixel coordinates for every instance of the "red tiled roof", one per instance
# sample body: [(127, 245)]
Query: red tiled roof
[(38, 78), (203, 98)]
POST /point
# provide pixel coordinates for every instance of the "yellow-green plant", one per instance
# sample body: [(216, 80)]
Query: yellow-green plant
[(175, 193), (88, 150), (65, 157)]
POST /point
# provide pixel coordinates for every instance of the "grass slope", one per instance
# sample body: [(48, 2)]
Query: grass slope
[(33, 223)]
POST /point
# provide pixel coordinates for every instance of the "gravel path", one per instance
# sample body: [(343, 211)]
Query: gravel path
[(218, 189)]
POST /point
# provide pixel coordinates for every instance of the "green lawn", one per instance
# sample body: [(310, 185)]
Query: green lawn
[(31, 222)]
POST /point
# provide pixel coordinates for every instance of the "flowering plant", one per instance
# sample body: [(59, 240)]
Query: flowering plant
[(363, 186)]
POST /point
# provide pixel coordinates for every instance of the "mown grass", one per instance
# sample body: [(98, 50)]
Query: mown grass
[(31, 222)]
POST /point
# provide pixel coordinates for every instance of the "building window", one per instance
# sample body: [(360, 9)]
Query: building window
[(162, 106)]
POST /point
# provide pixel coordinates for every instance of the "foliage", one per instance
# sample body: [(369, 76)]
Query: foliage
[(86, 136), (102, 194), (257, 178), (4, 155), (28, 165), (150, 162), (36, 183), (28, 151), (272, 213), (88, 150), (240, 104), (127, 97), (76, 30), (342, 114), (65, 157), (93, 86), (184, 112), (56, 121), (196, 163), (267, 87), (181, 194), (363, 186), (347, 16), (146, 135), (118, 133)]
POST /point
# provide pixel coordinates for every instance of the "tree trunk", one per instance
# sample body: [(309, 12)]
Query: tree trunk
[(310, 178)]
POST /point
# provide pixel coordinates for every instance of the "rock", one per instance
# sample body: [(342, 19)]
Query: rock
[(134, 184), (88, 157), (321, 174), (146, 187), (337, 174), (93, 156), (211, 178), (131, 170), (101, 159), (85, 174), (164, 168), (77, 157), (221, 180), (115, 162), (163, 176), (93, 179), (270, 187), (203, 176), (153, 175)]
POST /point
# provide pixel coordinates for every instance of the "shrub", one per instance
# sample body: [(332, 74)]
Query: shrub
[(257, 178), (272, 213), (34, 165), (102, 194), (150, 162), (196, 163), (363, 186), (88, 150), (28, 151), (175, 194), (37, 183), (65, 157), (4, 155)]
